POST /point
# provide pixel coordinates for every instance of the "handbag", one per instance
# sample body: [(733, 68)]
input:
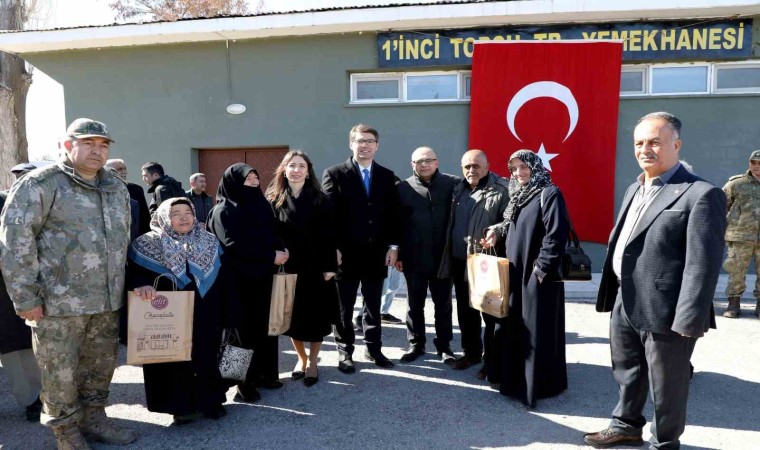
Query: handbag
[(281, 306), (233, 360), (575, 265)]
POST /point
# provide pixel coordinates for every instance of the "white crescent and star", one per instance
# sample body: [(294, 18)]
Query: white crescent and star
[(539, 89)]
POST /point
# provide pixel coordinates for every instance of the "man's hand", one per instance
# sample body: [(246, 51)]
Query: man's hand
[(390, 257), (340, 256), (399, 266), (147, 293), (280, 258), (490, 239), (31, 315), (328, 275)]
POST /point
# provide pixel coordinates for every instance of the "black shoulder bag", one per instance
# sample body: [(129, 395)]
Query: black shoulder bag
[(575, 264)]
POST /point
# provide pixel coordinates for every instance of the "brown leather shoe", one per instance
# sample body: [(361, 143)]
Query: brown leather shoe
[(611, 438)]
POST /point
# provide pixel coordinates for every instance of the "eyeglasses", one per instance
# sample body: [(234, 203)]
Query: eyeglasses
[(471, 166), (420, 162), (365, 141)]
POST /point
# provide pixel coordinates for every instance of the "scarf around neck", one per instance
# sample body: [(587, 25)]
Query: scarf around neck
[(166, 252), (520, 195)]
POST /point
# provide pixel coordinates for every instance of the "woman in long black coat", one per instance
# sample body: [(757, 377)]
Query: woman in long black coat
[(529, 362), (243, 221), (305, 224), (178, 252)]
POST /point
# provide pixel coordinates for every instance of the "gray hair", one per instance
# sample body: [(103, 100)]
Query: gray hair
[(195, 176), (110, 163), (673, 121)]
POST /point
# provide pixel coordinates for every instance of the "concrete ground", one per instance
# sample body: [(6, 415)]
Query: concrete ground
[(426, 405)]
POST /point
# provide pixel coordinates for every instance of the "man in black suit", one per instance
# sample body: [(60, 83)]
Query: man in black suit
[(658, 279), (363, 194)]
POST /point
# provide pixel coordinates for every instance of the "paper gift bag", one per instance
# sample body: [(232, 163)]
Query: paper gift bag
[(488, 277), (160, 330), (281, 308)]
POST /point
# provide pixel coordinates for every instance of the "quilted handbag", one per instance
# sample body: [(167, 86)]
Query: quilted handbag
[(233, 360)]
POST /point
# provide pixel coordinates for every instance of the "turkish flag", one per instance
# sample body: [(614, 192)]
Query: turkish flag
[(560, 100)]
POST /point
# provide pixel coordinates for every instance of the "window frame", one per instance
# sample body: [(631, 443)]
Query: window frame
[(729, 66), (643, 69), (408, 75), (383, 76), (652, 68)]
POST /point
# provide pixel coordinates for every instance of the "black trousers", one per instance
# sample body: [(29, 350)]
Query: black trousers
[(440, 289), (643, 362), (469, 318), (344, 333)]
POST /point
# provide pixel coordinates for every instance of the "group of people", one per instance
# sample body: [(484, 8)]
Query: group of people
[(80, 237)]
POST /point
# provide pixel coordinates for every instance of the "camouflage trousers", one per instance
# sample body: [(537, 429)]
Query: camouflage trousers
[(77, 358), (739, 256)]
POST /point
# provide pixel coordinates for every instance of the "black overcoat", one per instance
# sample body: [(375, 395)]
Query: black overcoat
[(532, 338)]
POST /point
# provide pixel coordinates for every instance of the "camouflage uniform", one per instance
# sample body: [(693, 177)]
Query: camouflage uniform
[(64, 242), (743, 232)]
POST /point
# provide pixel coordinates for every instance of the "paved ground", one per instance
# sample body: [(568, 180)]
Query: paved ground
[(428, 405)]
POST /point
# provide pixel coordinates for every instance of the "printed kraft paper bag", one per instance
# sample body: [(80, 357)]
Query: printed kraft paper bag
[(281, 308), (160, 330), (488, 278)]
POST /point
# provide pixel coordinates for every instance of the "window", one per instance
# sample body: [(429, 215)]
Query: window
[(737, 78), (377, 88), (431, 87), (466, 83), (680, 79), (410, 87), (633, 81)]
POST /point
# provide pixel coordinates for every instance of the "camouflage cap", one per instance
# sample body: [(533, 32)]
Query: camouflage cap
[(86, 128), (755, 156)]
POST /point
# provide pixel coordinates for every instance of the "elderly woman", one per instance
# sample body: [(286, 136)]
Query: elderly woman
[(530, 361), (244, 224), (305, 223), (177, 251)]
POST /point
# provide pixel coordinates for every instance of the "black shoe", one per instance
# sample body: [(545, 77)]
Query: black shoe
[(268, 384), (33, 411), (482, 373), (465, 361), (358, 323), (297, 375), (181, 420), (387, 318), (216, 413), (248, 394), (311, 381), (379, 359), (447, 356), (413, 353), (346, 365)]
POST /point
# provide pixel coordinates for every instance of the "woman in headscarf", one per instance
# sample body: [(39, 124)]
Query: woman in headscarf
[(244, 224), (305, 223), (178, 252), (529, 362)]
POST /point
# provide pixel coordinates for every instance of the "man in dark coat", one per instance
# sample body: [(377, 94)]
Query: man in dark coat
[(363, 194), (160, 185), (658, 279), (140, 213), (424, 201), (16, 353), (197, 194)]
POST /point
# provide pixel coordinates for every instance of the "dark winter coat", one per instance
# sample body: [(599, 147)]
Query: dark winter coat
[(164, 188)]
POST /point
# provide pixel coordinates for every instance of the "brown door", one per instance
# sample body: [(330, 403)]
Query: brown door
[(213, 162)]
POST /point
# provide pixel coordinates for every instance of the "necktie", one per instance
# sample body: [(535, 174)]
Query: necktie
[(366, 180)]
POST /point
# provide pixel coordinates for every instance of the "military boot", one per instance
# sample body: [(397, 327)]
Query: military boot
[(68, 437), (733, 309), (757, 308), (97, 425)]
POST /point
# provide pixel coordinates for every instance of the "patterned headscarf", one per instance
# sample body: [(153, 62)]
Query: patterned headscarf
[(520, 195), (166, 252)]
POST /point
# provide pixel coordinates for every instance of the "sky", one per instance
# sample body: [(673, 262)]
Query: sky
[(46, 122)]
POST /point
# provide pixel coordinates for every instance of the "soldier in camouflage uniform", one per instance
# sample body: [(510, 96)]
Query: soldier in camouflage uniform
[(743, 234), (64, 237)]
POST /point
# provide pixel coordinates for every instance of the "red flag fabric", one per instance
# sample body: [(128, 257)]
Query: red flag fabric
[(560, 100)]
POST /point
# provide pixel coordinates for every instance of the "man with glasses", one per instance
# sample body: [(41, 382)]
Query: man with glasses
[(363, 194), (478, 202), (424, 200)]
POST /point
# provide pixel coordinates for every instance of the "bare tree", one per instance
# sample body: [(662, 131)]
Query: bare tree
[(15, 80), (179, 9)]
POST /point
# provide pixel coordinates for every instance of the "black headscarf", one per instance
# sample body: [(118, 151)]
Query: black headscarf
[(520, 195), (232, 187)]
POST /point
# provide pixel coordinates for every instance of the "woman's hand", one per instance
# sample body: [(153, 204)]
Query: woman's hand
[(490, 239), (147, 293), (280, 258), (328, 275)]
